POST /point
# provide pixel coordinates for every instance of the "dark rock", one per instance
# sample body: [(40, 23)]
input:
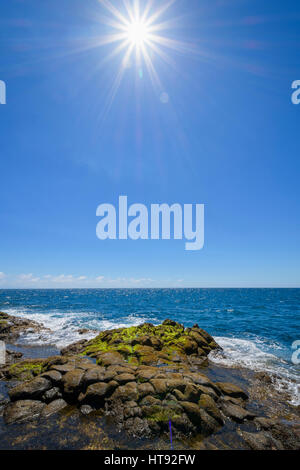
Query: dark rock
[(178, 384), (260, 441), (122, 379), (72, 381), (109, 358), (182, 424), (146, 373), (52, 394), (208, 404), (95, 394), (179, 395), (22, 411), (237, 413), (93, 375), (30, 390), (12, 327), (192, 393), (145, 389), (160, 386), (232, 390), (53, 375), (149, 401), (209, 424), (169, 322), (208, 391), (126, 392), (53, 408), (264, 423), (193, 412), (63, 368)]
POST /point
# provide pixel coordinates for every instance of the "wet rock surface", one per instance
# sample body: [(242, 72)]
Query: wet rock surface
[(12, 327), (130, 376)]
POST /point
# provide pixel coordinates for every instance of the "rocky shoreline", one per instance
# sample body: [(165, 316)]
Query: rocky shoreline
[(141, 380)]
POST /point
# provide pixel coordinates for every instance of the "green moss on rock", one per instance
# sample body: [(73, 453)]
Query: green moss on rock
[(26, 370), (149, 344)]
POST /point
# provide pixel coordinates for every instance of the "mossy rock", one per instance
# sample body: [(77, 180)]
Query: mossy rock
[(160, 414), (147, 344), (26, 370)]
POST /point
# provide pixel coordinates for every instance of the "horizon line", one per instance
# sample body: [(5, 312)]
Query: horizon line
[(140, 288)]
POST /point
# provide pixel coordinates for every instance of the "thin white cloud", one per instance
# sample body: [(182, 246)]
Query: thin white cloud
[(28, 278)]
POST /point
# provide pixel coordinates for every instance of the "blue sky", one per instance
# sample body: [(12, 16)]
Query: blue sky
[(227, 138)]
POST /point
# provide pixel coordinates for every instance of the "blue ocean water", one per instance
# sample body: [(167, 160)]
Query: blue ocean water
[(255, 327)]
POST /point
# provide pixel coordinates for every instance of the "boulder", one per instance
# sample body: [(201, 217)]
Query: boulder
[(145, 389), (144, 373), (237, 413), (232, 390), (97, 393), (260, 441), (193, 412), (53, 408), (71, 382), (192, 393), (22, 411), (93, 375), (30, 390), (126, 392), (149, 401), (52, 394), (175, 383), (53, 375), (109, 358), (160, 386), (264, 423), (122, 379), (209, 424), (179, 395), (63, 368), (208, 404)]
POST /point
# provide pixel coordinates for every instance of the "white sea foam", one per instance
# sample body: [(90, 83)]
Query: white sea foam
[(250, 354), (64, 326)]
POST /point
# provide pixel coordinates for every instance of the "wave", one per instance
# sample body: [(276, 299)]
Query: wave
[(251, 355), (64, 326)]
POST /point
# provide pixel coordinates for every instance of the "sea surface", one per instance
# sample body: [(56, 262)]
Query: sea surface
[(255, 327)]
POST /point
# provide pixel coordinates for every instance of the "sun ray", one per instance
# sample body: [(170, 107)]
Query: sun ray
[(152, 72), (107, 4), (141, 29), (158, 13)]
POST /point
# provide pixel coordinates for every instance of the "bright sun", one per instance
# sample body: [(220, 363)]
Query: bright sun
[(138, 33), (137, 30)]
